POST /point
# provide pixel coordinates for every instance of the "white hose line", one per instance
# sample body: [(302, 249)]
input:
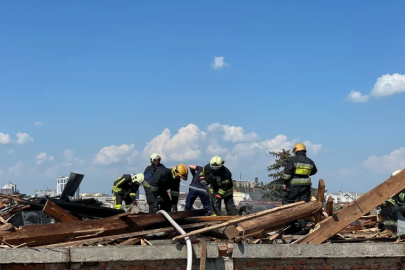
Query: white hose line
[(180, 230)]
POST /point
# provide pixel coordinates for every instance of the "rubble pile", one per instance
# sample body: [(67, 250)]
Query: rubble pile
[(64, 222)]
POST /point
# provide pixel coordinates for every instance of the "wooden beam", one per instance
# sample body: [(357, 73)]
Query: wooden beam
[(122, 236), (237, 220), (279, 218), (57, 213), (332, 225), (203, 257), (45, 234), (210, 218), (130, 242), (321, 198), (329, 206)]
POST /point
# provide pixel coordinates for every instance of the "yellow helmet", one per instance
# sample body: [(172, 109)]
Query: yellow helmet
[(181, 170), (216, 163), (299, 147), (138, 178)]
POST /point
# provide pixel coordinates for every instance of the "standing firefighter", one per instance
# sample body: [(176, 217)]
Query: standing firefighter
[(297, 172), (125, 188), (159, 182), (197, 190), (219, 178), (390, 209)]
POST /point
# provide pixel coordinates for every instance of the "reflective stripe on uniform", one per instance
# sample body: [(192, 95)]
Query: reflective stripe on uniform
[(221, 191), (117, 206), (116, 189), (229, 192), (303, 169), (301, 181), (211, 190), (174, 193), (286, 176), (390, 223), (401, 197), (132, 194), (391, 200)]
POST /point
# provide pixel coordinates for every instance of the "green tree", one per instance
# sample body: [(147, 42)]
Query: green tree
[(275, 187)]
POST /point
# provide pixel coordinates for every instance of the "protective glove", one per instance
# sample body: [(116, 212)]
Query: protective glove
[(218, 196), (174, 208)]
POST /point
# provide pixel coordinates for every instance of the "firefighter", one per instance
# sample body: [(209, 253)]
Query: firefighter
[(389, 211), (159, 182), (197, 190), (154, 163), (125, 188), (219, 178), (297, 172)]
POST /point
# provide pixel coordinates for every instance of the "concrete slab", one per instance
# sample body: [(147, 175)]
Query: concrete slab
[(352, 250), (138, 253), (32, 255)]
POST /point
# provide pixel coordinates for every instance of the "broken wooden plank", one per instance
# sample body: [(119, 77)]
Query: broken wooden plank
[(58, 232), (203, 257), (321, 199), (130, 242), (329, 206), (57, 213), (123, 236), (210, 218), (279, 218), (357, 209), (237, 220)]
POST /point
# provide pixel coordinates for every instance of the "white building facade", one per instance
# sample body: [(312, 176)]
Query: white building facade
[(343, 196), (61, 182)]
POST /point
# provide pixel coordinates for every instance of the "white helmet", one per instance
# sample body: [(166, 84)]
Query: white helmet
[(137, 177), (395, 173), (154, 156)]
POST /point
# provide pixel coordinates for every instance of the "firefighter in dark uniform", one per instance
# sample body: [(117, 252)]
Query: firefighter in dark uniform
[(197, 190), (297, 172), (159, 182), (390, 209), (219, 178), (125, 188)]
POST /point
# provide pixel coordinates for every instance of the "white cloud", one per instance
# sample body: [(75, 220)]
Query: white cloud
[(388, 163), (23, 138), (43, 157), (17, 170), (112, 154), (219, 62), (132, 159), (38, 123), (182, 146), (357, 97), (4, 138), (312, 148), (10, 151), (386, 85), (214, 149), (233, 133)]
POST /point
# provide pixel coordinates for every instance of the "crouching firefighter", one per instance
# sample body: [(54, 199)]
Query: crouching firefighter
[(158, 182), (219, 179), (390, 209), (125, 188)]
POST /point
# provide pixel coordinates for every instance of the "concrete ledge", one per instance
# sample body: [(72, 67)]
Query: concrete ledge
[(138, 253), (364, 250), (178, 252), (32, 255)]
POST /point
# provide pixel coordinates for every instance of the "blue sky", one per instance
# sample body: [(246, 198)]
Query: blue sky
[(141, 77)]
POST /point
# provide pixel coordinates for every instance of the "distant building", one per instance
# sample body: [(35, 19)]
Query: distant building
[(343, 196), (243, 183), (61, 182), (9, 189), (45, 192)]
